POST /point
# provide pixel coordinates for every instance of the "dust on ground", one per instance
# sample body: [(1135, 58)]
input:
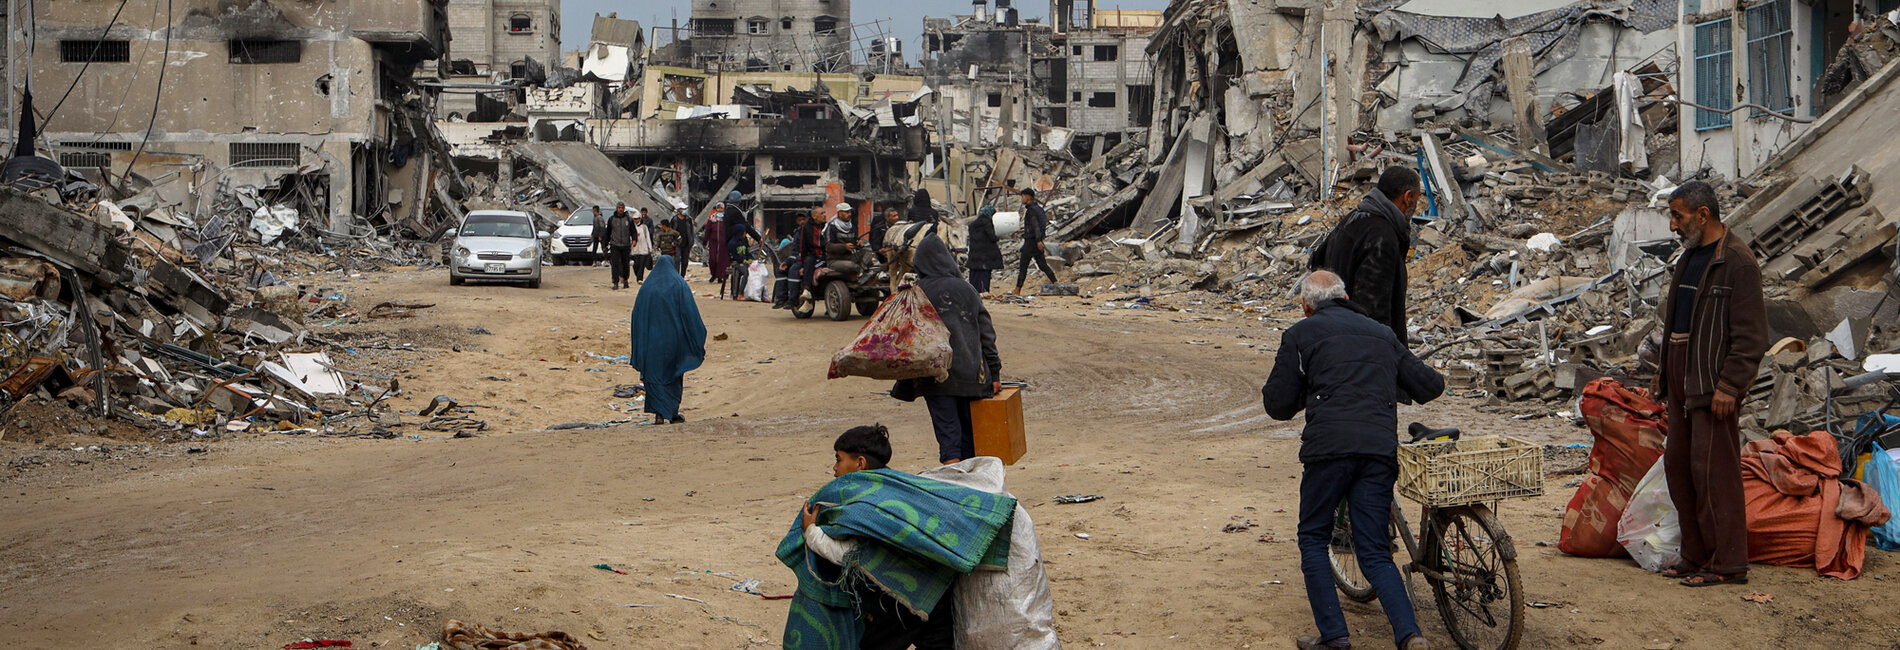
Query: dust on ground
[(260, 539)]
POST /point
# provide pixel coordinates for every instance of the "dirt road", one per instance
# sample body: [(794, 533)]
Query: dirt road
[(266, 539)]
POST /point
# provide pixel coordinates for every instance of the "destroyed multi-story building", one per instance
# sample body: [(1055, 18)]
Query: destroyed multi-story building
[(498, 37), (1108, 78), (201, 95), (1755, 71), (772, 35)]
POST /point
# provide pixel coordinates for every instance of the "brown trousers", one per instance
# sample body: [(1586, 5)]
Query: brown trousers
[(1702, 459)]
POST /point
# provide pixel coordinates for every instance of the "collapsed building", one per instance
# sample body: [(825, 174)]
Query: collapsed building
[(1547, 139), (195, 98)]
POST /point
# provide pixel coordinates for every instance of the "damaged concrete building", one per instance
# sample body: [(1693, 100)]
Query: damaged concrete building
[(771, 35), (498, 37), (196, 96)]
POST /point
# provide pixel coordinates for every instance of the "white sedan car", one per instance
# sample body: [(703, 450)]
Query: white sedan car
[(496, 245)]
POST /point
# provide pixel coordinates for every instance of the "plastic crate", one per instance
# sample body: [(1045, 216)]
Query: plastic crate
[(1471, 470)]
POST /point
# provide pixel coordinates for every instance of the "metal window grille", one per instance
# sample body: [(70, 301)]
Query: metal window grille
[(99, 146), (1770, 64), (95, 51), (266, 154), (800, 163), (1714, 73), (86, 159), (265, 51)]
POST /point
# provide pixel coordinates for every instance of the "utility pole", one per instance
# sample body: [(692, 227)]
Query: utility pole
[(13, 105)]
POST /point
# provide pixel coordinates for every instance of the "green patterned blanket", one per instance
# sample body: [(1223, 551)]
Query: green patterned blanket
[(915, 536)]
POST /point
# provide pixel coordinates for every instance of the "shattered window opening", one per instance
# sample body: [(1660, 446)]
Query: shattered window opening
[(1107, 52), (95, 51), (100, 146), (681, 89), (785, 23), (265, 154), (755, 27), (824, 25), (1770, 63), (520, 24), (264, 51), (800, 163), (86, 159), (1102, 100), (713, 26), (996, 100), (1713, 72)]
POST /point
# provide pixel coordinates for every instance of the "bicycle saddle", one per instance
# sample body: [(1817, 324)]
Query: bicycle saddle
[(1421, 432)]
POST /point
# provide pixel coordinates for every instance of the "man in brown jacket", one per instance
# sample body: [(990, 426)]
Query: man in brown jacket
[(1717, 331)]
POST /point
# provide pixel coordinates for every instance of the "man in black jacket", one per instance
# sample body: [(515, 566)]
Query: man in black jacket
[(1368, 248), (1035, 228), (1347, 372)]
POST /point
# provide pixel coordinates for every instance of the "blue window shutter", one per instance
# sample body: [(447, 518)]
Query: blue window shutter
[(1714, 73)]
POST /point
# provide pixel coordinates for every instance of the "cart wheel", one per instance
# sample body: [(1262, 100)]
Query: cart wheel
[(802, 305), (837, 300), (867, 308)]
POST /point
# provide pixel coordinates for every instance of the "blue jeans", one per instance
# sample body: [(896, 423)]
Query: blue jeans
[(1366, 485)]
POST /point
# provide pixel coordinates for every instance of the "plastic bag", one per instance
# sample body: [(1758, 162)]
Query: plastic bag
[(1010, 608), (1883, 474), (905, 339), (758, 282), (1649, 529)]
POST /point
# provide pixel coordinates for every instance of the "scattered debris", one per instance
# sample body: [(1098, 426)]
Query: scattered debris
[(1078, 498)]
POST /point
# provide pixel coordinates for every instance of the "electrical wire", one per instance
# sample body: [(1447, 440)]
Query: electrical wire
[(96, 46), (118, 108), (157, 94)]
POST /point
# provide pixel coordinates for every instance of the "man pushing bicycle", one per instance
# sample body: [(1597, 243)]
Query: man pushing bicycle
[(1347, 371)]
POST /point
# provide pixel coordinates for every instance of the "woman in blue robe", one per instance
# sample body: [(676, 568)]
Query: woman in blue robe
[(669, 339)]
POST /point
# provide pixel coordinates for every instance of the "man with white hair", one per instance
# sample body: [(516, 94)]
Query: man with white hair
[(1347, 371)]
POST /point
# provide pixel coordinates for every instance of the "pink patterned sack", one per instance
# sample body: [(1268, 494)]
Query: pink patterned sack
[(904, 340)]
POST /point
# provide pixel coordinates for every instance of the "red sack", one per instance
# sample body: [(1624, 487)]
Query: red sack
[(1628, 429), (905, 339)]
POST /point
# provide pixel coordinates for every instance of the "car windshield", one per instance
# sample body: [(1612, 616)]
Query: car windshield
[(497, 226), (583, 218)]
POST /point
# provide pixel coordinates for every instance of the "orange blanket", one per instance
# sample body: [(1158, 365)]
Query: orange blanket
[(1800, 512)]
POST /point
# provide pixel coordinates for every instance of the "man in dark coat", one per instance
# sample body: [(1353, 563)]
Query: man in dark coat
[(620, 240), (1035, 229), (682, 223), (974, 363), (1717, 329), (986, 253), (880, 227), (1347, 371), (1368, 248), (808, 250)]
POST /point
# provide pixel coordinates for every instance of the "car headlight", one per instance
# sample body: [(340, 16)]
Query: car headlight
[(528, 252), (461, 251)]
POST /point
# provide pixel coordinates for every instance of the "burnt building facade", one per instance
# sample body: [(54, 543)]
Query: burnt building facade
[(497, 37)]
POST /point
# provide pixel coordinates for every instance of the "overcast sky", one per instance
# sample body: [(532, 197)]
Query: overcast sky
[(904, 18)]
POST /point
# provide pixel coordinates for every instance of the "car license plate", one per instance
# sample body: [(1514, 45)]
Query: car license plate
[(495, 268)]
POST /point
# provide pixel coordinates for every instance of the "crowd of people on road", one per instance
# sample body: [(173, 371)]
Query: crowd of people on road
[(1346, 365)]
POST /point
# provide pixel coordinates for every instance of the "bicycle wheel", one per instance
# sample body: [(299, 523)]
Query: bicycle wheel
[(1346, 574), (1480, 597)]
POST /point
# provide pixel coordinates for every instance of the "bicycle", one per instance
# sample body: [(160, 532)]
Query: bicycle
[(1464, 552)]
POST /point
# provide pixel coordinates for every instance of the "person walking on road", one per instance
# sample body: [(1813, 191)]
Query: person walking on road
[(1368, 248), (1717, 329), (713, 236), (642, 246), (986, 253), (620, 235), (598, 243), (683, 224), (1035, 229), (669, 340), (1348, 372), (974, 363)]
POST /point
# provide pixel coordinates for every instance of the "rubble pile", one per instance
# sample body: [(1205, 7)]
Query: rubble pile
[(1543, 246), (178, 325)]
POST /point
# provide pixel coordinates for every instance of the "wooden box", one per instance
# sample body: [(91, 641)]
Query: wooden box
[(998, 423)]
